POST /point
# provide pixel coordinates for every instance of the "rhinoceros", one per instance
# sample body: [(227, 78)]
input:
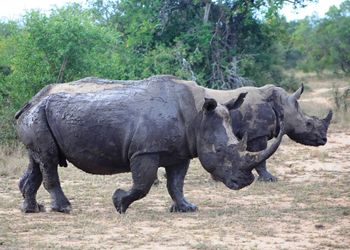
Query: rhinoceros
[(256, 117), (133, 126)]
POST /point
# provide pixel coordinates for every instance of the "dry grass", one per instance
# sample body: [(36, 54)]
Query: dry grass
[(309, 208), (319, 97), (12, 160)]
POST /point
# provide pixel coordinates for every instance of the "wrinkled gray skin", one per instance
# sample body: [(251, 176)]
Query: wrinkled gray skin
[(257, 118), (132, 127)]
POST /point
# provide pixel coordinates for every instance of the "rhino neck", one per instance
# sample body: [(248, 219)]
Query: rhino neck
[(190, 98)]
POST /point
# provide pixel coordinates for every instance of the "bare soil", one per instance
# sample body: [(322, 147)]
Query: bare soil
[(308, 208)]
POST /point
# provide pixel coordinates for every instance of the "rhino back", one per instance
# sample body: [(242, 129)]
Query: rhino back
[(257, 120), (255, 116), (100, 132)]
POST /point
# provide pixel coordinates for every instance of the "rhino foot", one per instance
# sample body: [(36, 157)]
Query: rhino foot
[(62, 209), (66, 209), (118, 196), (32, 208), (267, 178), (183, 207)]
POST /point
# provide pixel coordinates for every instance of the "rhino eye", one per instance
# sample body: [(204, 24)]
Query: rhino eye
[(309, 124), (219, 149)]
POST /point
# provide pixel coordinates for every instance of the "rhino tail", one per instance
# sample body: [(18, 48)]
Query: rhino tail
[(24, 108), (35, 99)]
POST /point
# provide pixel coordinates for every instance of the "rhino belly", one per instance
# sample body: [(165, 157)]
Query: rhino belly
[(92, 152), (94, 142), (95, 164)]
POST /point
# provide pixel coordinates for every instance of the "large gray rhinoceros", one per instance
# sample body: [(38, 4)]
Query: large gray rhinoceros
[(133, 126), (256, 117)]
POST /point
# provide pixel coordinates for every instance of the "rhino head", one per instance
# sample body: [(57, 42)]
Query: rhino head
[(219, 150), (304, 129)]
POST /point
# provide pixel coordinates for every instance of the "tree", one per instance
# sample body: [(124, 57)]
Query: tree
[(325, 42), (220, 44), (334, 30), (63, 46)]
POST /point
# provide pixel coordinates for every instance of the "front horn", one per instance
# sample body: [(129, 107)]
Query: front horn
[(328, 118), (252, 159), (296, 95)]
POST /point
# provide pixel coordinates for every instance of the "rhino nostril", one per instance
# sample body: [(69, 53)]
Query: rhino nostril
[(234, 184)]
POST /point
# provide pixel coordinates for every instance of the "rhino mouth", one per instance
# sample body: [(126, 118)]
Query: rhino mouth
[(320, 141), (308, 139), (232, 184), (235, 184)]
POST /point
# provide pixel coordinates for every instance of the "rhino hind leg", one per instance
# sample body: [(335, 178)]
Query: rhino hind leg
[(255, 146), (48, 157), (59, 202), (29, 185), (144, 172), (175, 182), (44, 157)]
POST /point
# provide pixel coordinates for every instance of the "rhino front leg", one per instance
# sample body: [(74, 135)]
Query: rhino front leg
[(264, 175), (29, 185), (257, 145), (144, 172), (175, 182)]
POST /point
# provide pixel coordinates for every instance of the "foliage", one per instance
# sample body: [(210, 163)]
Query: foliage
[(341, 98), (324, 43), (55, 48), (220, 44)]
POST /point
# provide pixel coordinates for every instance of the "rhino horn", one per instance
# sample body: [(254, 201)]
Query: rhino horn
[(296, 95), (328, 118), (252, 159)]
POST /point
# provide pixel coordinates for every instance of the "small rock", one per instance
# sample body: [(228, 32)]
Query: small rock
[(319, 226), (346, 213)]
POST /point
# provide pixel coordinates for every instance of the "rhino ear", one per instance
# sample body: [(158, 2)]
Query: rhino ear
[(296, 95), (235, 103), (209, 104)]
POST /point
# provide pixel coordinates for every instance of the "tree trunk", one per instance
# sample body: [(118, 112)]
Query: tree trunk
[(61, 73), (206, 12)]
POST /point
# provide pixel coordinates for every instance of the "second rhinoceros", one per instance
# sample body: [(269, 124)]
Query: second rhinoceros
[(257, 119), (133, 126)]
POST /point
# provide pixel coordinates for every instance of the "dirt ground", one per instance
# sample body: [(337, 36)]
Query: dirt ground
[(308, 208)]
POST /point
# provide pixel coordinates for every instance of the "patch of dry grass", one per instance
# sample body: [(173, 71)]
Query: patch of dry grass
[(319, 97), (309, 208), (283, 215), (12, 160)]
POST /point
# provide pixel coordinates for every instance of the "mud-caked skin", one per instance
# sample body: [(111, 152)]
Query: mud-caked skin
[(133, 126), (257, 118)]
